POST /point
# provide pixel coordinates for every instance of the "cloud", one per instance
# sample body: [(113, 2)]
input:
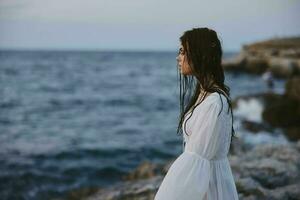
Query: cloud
[(13, 5), (141, 23), (141, 11)]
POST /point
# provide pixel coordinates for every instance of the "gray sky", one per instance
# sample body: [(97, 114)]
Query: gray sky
[(141, 24)]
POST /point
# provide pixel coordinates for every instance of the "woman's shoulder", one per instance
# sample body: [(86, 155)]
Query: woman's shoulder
[(215, 99), (210, 106)]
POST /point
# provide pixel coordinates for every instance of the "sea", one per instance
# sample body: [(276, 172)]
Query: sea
[(80, 119)]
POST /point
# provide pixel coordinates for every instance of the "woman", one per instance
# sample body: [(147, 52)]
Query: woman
[(202, 171)]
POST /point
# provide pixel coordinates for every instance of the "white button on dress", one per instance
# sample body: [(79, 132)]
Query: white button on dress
[(202, 171)]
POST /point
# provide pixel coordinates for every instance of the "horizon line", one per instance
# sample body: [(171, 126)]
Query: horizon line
[(100, 50)]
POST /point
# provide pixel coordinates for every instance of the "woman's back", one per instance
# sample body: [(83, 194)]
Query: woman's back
[(220, 140), (202, 171)]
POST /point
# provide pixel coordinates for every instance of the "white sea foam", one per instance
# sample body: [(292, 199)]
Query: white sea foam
[(263, 137), (250, 110)]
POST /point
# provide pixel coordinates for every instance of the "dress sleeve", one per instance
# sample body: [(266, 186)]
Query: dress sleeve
[(205, 125)]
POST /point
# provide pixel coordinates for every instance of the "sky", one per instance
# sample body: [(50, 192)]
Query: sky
[(141, 24)]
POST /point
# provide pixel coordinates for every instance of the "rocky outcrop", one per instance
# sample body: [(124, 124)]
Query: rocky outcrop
[(145, 170), (280, 56), (292, 88), (143, 189), (265, 172), (279, 111), (284, 110), (256, 127), (268, 172)]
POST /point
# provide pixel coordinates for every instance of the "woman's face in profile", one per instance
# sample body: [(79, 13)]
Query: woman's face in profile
[(184, 67)]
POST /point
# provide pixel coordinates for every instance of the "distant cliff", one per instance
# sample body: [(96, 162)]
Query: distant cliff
[(281, 56)]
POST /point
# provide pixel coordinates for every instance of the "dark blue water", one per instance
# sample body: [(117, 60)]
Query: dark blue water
[(79, 119)]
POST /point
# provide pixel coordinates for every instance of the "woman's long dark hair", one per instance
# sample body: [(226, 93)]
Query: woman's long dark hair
[(203, 52)]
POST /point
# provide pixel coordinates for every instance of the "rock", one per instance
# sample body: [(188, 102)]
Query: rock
[(270, 173), (265, 172), (290, 53), (298, 145), (284, 110), (293, 133), (255, 65), (238, 146), (233, 64), (281, 56), (167, 166), (81, 193), (284, 193), (251, 197), (255, 127), (271, 165), (292, 88), (148, 170), (279, 44), (130, 190), (248, 186), (144, 170), (282, 67), (282, 113), (283, 153)]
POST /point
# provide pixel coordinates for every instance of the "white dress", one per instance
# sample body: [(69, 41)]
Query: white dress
[(202, 171)]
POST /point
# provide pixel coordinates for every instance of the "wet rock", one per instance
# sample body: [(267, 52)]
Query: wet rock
[(256, 127), (283, 67), (270, 165), (80, 193), (148, 170), (279, 111), (238, 147), (234, 64), (268, 172), (284, 110), (292, 88), (284, 193), (248, 186), (282, 113), (265, 172), (280, 56), (144, 170), (255, 65), (130, 190), (293, 133)]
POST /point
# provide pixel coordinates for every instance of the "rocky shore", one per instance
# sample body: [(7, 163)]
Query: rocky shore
[(280, 110), (280, 56), (265, 171), (284, 110)]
